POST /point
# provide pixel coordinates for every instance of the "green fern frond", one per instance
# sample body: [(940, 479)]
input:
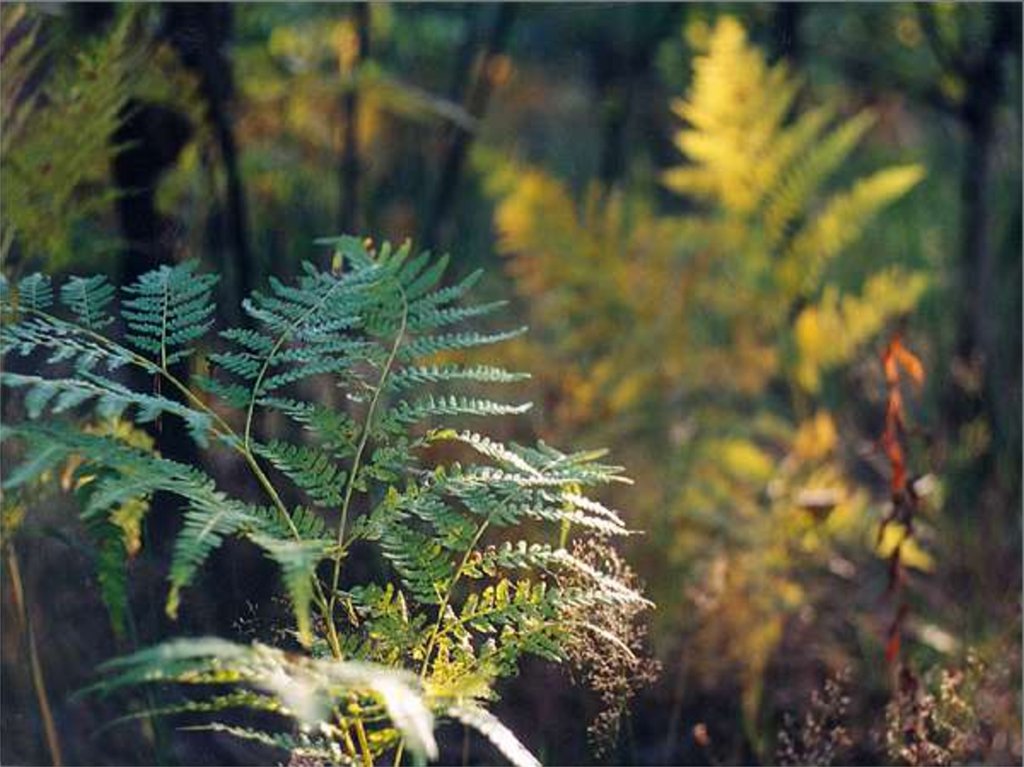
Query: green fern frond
[(203, 531), (211, 518), (298, 561), (404, 413), (309, 468), (426, 568), (307, 689), (171, 307), (112, 575), (429, 318), (35, 292), (414, 376), (68, 344), (112, 400), (446, 342), (445, 295), (334, 430), (88, 298), (368, 326)]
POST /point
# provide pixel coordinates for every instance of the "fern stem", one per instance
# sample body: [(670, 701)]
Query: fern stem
[(346, 737), (163, 325), (448, 596), (360, 449), (274, 350), (38, 681), (364, 745), (440, 618)]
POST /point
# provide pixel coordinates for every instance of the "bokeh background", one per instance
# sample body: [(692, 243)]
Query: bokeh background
[(715, 218)]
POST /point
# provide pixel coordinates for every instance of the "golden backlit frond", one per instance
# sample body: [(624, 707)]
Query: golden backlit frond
[(734, 113), (831, 331)]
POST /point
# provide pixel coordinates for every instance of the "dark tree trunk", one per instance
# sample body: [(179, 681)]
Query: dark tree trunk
[(152, 137), (199, 32), (349, 169), (976, 346), (475, 102), (614, 80), (622, 68), (785, 42)]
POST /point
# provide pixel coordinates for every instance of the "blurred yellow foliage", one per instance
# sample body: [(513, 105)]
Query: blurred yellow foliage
[(725, 317), (815, 437), (830, 332)]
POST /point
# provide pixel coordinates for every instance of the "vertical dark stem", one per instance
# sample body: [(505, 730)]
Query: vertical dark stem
[(152, 137), (975, 250), (475, 102), (622, 63), (672, 733), (35, 666), (976, 342), (614, 81), (785, 42), (199, 32), (237, 211), (348, 170)]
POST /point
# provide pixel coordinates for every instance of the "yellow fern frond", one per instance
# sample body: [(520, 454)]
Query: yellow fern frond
[(842, 221), (736, 109), (813, 162), (830, 332)]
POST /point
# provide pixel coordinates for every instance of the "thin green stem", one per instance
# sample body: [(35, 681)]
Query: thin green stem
[(273, 352), (364, 744), (361, 447), (448, 596)]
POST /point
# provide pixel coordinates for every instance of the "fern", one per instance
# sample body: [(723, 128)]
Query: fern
[(312, 470), (60, 114), (35, 292), (763, 174), (88, 298), (708, 315), (449, 620), (169, 309)]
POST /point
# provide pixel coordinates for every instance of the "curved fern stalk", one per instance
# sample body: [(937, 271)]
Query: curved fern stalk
[(361, 447)]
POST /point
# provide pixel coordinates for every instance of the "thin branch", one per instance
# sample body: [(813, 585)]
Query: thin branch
[(35, 667)]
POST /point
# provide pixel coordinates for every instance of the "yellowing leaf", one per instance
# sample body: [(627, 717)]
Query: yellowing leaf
[(911, 553), (746, 460), (815, 437)]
